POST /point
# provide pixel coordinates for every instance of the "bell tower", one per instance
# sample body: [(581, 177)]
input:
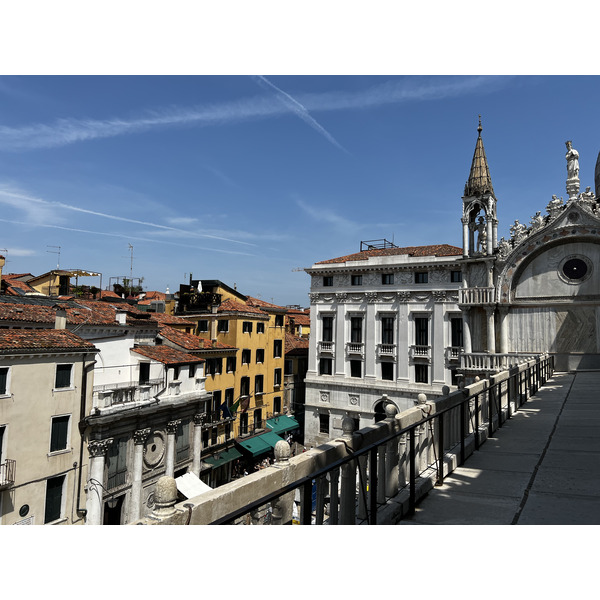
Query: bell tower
[(479, 220)]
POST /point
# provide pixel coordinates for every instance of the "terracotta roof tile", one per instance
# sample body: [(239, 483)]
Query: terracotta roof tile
[(231, 305), (434, 250), (42, 340), (188, 341), (167, 355), (293, 343)]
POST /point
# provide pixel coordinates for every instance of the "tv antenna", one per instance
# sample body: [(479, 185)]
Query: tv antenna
[(130, 262), (55, 252)]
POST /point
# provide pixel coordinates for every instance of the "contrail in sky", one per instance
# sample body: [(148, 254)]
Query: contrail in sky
[(67, 131), (302, 112), (124, 236), (45, 203)]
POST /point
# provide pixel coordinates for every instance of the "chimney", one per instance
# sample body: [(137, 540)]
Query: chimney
[(121, 317), (213, 323), (60, 320)]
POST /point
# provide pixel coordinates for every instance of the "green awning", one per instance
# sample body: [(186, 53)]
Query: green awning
[(271, 438), (282, 424), (222, 458), (255, 445)]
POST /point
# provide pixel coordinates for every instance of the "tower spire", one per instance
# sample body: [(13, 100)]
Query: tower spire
[(480, 181)]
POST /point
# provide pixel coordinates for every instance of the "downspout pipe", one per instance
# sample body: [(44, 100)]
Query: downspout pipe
[(82, 428)]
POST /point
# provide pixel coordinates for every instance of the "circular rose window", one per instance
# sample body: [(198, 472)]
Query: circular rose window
[(575, 269)]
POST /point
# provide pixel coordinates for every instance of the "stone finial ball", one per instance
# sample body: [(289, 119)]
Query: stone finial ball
[(421, 398), (282, 451), (391, 410), (347, 425)]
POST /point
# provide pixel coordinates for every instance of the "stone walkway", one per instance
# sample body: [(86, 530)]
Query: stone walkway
[(541, 468)]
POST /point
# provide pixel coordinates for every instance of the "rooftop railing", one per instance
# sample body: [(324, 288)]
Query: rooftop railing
[(374, 475)]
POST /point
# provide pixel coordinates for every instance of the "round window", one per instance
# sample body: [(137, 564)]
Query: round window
[(575, 269)]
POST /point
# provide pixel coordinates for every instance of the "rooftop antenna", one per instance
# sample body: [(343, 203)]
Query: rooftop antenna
[(131, 262), (55, 252)]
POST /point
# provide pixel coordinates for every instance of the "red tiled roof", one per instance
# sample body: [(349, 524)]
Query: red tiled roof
[(299, 318), (293, 343), (167, 319), (188, 341), (42, 340), (231, 305), (166, 355), (262, 304), (434, 250)]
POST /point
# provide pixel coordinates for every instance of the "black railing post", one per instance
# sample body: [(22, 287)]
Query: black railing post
[(373, 483), (463, 416), (306, 506), (476, 432), (440, 421), (412, 472)]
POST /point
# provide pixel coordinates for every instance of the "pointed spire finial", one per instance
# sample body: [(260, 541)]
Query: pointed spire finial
[(479, 181)]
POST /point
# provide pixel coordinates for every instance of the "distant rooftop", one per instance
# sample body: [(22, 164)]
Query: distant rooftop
[(433, 250)]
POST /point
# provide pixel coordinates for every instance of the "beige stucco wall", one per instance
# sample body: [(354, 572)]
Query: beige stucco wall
[(27, 411)]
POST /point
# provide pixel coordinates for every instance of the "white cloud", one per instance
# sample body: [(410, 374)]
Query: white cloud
[(69, 131)]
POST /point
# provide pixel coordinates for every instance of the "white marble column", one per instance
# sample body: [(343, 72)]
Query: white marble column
[(465, 224), (135, 507), (490, 237), (197, 448), (491, 331), (95, 493), (170, 449), (467, 346), (503, 315)]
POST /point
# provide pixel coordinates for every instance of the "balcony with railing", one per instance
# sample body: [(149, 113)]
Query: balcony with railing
[(477, 296), (326, 347), (8, 471), (453, 354), (386, 351), (420, 352), (484, 362), (126, 392), (355, 349), (372, 476)]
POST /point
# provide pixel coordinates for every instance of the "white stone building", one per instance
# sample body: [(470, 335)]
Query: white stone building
[(388, 323)]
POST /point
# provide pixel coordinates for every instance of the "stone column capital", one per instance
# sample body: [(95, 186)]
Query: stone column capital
[(99, 447), (140, 436), (172, 426)]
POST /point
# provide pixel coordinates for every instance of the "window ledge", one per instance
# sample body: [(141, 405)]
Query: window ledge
[(57, 452), (64, 389)]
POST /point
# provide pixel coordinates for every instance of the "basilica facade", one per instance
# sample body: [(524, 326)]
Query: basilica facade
[(389, 323)]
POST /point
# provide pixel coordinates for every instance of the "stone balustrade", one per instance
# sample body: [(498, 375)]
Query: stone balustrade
[(374, 475), (477, 296)]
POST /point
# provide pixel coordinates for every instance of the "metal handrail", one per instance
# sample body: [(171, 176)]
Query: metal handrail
[(523, 384)]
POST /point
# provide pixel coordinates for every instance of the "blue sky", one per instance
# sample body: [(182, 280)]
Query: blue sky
[(247, 178)]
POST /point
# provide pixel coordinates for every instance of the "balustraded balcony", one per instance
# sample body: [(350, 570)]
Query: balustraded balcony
[(326, 347), (386, 350), (355, 348), (481, 361), (477, 296), (453, 353), (8, 469), (420, 352), (115, 394)]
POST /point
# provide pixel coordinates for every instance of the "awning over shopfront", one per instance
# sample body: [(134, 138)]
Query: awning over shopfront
[(189, 485), (255, 445), (221, 458), (282, 424), (271, 438)]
